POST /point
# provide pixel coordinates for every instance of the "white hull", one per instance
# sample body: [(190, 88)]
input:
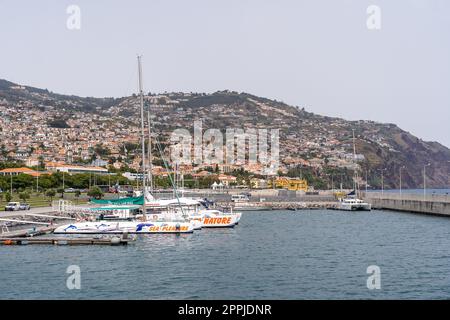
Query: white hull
[(119, 227), (202, 218), (354, 206), (217, 219)]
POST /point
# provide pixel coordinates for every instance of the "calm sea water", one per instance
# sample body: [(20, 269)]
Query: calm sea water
[(270, 255)]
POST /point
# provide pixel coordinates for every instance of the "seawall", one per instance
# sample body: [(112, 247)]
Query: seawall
[(428, 204)]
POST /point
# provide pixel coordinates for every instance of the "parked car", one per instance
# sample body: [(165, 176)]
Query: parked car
[(24, 206), (12, 206), (69, 190)]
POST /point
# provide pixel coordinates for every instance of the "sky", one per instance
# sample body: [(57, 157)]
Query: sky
[(317, 54)]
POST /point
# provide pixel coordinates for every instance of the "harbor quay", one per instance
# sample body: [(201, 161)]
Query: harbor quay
[(265, 199), (432, 204), (278, 199)]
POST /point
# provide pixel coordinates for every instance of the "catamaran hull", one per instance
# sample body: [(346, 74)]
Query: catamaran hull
[(355, 207), (132, 227)]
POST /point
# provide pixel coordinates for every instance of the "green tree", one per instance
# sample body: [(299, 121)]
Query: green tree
[(61, 190), (8, 196), (46, 182), (95, 192), (50, 193), (23, 181), (4, 183), (101, 150), (80, 180), (77, 195), (24, 196)]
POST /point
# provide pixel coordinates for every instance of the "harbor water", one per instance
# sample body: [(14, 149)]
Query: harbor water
[(310, 254)]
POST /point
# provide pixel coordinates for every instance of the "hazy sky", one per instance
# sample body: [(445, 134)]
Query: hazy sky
[(318, 54)]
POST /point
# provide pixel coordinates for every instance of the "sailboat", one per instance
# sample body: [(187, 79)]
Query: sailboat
[(163, 224), (197, 211), (351, 202)]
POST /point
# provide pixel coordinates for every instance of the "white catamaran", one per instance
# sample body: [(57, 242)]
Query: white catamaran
[(351, 202)]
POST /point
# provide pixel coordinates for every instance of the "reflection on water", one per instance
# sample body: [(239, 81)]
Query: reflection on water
[(269, 255)]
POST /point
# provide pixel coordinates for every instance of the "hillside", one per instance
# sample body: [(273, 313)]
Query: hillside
[(306, 139)]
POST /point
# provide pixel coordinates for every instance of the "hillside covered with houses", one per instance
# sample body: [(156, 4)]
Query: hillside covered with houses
[(39, 129)]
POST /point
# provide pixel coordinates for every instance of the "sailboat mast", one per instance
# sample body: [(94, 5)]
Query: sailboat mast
[(150, 157), (354, 160), (141, 98)]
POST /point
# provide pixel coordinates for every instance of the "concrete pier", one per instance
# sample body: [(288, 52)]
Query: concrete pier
[(417, 203)]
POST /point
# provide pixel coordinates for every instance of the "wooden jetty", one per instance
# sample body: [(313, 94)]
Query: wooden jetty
[(33, 236), (30, 232), (113, 241)]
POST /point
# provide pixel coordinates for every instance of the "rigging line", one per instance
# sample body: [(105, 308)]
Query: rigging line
[(128, 84), (170, 177)]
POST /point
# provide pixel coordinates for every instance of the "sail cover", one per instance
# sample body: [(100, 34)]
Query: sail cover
[(129, 200)]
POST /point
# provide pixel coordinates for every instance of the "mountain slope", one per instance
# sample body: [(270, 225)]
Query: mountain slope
[(306, 138)]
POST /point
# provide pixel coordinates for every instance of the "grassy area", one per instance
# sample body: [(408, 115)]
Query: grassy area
[(40, 200)]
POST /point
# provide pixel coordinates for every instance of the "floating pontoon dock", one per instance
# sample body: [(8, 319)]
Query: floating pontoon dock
[(114, 241)]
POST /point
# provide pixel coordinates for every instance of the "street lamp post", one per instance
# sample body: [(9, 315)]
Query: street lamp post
[(401, 168), (367, 179), (332, 182), (425, 180), (382, 180), (448, 176), (37, 180), (342, 181)]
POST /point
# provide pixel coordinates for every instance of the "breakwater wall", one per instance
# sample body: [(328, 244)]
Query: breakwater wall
[(416, 203), (278, 205)]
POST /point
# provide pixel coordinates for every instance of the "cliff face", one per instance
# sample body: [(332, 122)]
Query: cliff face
[(409, 154), (319, 140)]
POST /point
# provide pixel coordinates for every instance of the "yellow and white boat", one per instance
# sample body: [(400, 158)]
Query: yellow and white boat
[(196, 211)]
